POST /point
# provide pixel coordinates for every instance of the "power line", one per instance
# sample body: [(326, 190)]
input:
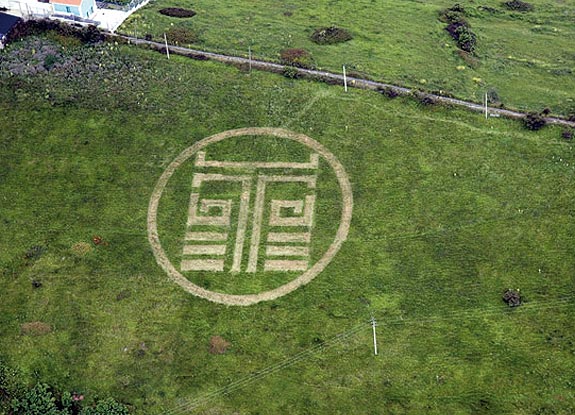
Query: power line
[(190, 405)]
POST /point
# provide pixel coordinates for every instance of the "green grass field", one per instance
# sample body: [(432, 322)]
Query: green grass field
[(525, 57), (450, 210)]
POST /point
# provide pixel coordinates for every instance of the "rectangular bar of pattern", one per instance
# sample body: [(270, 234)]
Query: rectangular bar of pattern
[(204, 249), (312, 164), (285, 265), (206, 236), (202, 265), (289, 237), (287, 250)]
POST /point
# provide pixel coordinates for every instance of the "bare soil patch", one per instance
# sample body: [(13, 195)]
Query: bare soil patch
[(218, 345), (81, 249), (35, 328), (177, 12)]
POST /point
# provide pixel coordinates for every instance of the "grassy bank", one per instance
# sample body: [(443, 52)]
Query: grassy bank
[(521, 56)]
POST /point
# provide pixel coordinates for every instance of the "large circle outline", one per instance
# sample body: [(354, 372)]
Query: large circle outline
[(304, 278)]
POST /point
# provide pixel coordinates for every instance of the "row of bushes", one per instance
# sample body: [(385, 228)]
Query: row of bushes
[(18, 399), (459, 28), (85, 34)]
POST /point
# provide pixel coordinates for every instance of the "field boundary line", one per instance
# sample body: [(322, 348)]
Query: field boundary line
[(329, 78)]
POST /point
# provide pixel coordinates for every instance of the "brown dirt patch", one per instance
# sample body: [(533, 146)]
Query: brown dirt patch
[(299, 58), (35, 328), (218, 345), (177, 12), (81, 249), (181, 36)]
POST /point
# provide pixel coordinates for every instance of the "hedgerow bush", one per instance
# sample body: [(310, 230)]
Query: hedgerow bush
[(534, 121), (290, 72), (459, 28), (88, 34), (330, 35), (518, 6), (388, 92)]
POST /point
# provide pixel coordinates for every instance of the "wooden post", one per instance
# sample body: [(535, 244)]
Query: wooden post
[(486, 105), (344, 79), (166, 42), (250, 57)]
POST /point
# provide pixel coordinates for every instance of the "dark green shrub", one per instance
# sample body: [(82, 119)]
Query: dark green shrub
[(50, 61), (493, 97), (453, 14), (567, 134), (425, 99), (290, 72), (463, 35), (534, 121), (107, 407), (89, 35), (300, 58), (458, 27), (177, 12), (10, 385), (330, 35), (388, 92), (518, 6), (36, 401)]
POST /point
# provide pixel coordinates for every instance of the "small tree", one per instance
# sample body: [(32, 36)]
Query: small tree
[(534, 121)]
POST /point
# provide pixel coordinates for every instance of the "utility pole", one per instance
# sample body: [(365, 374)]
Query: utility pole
[(166, 42), (373, 325), (344, 79)]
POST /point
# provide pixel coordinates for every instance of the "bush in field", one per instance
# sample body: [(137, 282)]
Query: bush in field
[(534, 121), (493, 97), (107, 407), (177, 12), (36, 401), (518, 6), (463, 35), (10, 385), (452, 14), (567, 134), (300, 58), (458, 27), (330, 35), (181, 36)]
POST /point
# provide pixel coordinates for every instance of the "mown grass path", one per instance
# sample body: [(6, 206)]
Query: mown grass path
[(330, 77)]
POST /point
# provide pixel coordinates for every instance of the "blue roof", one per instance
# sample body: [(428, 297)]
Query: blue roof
[(7, 22)]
